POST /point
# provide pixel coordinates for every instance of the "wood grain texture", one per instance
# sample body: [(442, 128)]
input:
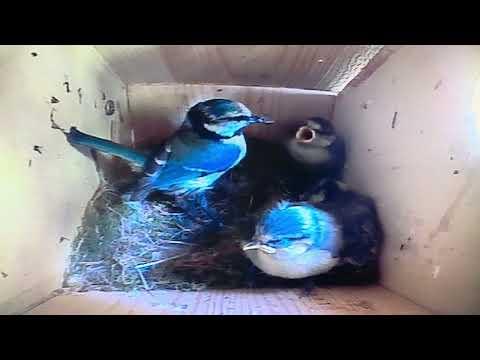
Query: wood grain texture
[(424, 172), (45, 192), (346, 66), (378, 60), (320, 67), (157, 110), (370, 300)]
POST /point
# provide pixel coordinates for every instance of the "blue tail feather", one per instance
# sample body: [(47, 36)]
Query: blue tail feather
[(76, 137)]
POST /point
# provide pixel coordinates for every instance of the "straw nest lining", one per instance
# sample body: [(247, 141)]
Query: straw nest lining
[(125, 245)]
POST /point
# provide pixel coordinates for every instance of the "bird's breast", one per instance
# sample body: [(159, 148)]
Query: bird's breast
[(308, 154), (239, 142), (312, 262)]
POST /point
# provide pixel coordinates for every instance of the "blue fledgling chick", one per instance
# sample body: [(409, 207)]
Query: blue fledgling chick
[(361, 228), (295, 241), (209, 144)]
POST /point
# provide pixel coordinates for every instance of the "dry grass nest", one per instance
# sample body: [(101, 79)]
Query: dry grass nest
[(124, 245)]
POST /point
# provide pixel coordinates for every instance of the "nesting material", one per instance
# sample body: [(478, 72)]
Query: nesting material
[(125, 245)]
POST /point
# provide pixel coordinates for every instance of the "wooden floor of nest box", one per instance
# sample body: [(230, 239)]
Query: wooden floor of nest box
[(361, 300)]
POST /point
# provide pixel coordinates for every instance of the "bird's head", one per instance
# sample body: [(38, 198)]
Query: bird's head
[(289, 230), (315, 143), (315, 131), (222, 118)]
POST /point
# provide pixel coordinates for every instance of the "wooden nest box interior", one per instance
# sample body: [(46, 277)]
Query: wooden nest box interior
[(410, 116)]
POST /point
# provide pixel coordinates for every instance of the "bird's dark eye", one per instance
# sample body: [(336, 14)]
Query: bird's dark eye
[(276, 241), (280, 243)]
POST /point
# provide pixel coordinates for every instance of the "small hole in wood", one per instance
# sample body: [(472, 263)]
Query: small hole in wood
[(80, 95), (37, 148), (67, 86), (109, 107)]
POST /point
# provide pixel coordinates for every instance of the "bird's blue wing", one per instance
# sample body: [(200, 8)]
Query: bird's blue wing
[(195, 162), (193, 153)]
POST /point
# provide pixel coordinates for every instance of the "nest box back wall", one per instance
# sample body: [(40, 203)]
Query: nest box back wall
[(45, 183), (413, 140), (157, 110)]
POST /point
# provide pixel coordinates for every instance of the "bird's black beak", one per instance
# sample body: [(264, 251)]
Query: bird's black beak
[(261, 120)]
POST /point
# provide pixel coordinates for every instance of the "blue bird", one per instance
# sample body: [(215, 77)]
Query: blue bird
[(209, 143), (295, 241), (327, 229)]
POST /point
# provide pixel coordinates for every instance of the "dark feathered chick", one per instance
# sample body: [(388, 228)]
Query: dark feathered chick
[(318, 148), (358, 218), (284, 169)]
